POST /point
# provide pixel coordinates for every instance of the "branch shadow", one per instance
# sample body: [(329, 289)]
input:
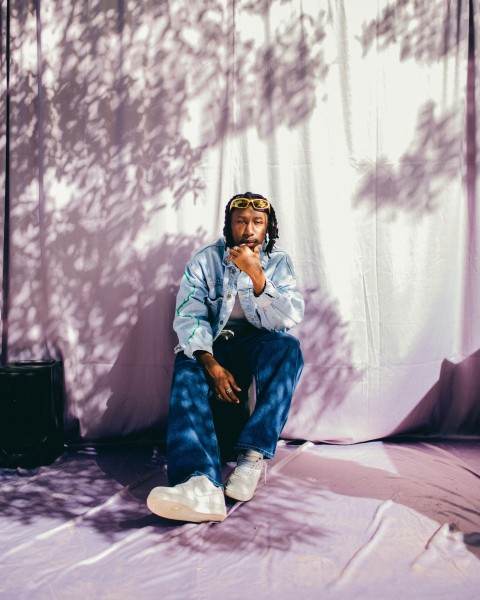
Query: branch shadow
[(420, 29), (417, 182), (328, 374), (104, 489), (418, 478), (112, 116), (139, 380), (414, 477)]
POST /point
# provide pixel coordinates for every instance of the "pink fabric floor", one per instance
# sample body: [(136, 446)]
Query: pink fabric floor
[(383, 519)]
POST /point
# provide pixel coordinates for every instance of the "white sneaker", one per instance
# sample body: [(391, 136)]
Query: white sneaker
[(243, 481), (196, 500)]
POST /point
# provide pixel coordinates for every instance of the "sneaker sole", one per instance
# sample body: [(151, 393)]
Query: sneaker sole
[(180, 512), (238, 497)]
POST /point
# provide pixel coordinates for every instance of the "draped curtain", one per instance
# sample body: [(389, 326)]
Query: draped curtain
[(126, 126)]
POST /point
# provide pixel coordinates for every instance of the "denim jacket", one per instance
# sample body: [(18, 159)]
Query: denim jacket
[(207, 293)]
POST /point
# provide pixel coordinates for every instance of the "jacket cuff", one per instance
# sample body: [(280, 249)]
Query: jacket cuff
[(191, 348), (267, 296)]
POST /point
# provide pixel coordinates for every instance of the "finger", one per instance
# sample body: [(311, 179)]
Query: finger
[(231, 397), (230, 393), (227, 396), (220, 389), (231, 383)]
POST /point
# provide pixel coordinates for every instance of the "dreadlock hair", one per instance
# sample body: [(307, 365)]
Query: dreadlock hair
[(272, 226)]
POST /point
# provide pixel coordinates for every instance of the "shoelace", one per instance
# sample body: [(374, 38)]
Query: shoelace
[(247, 463)]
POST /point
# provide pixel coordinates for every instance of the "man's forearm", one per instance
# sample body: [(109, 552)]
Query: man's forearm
[(259, 281), (204, 357), (208, 362)]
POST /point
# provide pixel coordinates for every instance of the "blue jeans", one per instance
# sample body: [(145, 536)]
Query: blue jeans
[(274, 359)]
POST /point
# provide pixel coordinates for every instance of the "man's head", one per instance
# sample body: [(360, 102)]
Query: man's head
[(250, 219)]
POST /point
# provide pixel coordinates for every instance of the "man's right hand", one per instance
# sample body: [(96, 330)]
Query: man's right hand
[(222, 380)]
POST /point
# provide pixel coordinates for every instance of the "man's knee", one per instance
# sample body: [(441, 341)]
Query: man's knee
[(295, 349), (187, 370), (283, 344), (287, 340)]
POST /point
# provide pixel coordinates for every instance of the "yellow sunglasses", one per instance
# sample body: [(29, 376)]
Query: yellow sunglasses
[(257, 203)]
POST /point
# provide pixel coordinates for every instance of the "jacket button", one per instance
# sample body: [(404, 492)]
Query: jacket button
[(221, 322), (229, 296)]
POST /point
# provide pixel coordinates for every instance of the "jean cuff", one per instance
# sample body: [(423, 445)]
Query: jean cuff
[(266, 453)]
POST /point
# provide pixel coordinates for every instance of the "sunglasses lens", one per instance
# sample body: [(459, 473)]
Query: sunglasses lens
[(240, 203), (260, 204)]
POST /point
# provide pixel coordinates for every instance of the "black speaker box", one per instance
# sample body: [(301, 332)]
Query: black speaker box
[(31, 413)]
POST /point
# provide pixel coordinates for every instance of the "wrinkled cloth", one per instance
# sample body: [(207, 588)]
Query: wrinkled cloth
[(371, 521)]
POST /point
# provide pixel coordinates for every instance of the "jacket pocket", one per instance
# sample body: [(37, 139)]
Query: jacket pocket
[(214, 307)]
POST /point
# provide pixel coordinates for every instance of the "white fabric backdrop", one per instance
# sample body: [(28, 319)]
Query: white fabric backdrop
[(133, 123)]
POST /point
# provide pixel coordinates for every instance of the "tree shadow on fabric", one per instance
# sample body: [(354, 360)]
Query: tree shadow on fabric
[(105, 489), (78, 483), (328, 374), (415, 28), (413, 479), (416, 184), (140, 378), (109, 124), (137, 318), (277, 518), (116, 91), (280, 523)]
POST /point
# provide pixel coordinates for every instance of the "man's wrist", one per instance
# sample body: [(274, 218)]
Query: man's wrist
[(259, 284), (203, 356)]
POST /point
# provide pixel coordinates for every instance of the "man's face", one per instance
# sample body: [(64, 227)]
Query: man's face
[(249, 226)]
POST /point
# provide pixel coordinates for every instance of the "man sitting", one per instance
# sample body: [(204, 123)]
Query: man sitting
[(236, 301)]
